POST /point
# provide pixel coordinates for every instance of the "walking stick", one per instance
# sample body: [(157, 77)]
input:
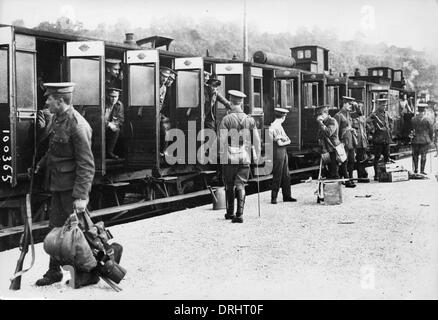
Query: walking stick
[(258, 189)]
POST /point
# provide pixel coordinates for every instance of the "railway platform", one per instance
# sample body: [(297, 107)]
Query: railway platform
[(380, 243)]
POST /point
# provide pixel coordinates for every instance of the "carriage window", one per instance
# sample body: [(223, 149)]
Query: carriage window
[(389, 73), (308, 54), (188, 89), (289, 95), (300, 54), (336, 97), (375, 73), (3, 76), (26, 95), (257, 93), (315, 94), (380, 73), (330, 96), (397, 76), (141, 85), (85, 73)]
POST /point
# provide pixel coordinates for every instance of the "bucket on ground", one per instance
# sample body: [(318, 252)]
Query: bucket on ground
[(218, 197), (332, 193)]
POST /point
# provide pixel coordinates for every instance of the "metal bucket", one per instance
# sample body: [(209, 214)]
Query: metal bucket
[(219, 200), (332, 193)]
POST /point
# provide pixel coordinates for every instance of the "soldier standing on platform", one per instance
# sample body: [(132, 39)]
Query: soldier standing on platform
[(360, 125), (422, 128), (68, 168), (236, 159), (328, 139), (280, 169), (114, 117), (113, 74), (343, 118), (381, 129)]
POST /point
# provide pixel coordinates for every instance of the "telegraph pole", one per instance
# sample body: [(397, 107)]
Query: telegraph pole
[(245, 33)]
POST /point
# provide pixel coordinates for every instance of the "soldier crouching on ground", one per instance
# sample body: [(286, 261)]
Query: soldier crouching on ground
[(328, 139), (68, 168), (280, 170), (236, 173)]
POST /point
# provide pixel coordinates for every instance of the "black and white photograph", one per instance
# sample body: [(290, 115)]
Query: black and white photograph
[(200, 150)]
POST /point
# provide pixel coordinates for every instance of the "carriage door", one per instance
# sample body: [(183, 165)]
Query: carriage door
[(231, 75), (142, 121), (286, 96), (17, 104), (85, 66), (190, 113)]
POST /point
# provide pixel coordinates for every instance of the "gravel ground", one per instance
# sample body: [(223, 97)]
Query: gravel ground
[(381, 247)]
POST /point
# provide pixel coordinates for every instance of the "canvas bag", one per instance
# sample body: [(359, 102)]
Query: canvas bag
[(68, 246), (239, 155), (341, 155)]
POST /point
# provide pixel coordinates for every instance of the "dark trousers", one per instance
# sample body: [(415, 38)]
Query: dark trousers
[(360, 156), (346, 168), (111, 140), (380, 149), (61, 209), (280, 172), (332, 170), (235, 175), (417, 151)]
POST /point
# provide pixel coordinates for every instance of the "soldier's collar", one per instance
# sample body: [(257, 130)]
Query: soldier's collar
[(63, 116)]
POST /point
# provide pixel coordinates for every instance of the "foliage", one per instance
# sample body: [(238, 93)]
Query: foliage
[(224, 40)]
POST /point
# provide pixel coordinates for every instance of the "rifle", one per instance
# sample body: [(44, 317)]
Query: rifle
[(26, 237)]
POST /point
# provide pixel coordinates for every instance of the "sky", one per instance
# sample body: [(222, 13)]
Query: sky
[(404, 23)]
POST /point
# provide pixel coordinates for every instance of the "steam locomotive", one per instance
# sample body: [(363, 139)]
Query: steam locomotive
[(298, 82)]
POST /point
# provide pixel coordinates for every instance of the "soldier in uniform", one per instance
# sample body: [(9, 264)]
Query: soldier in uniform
[(422, 128), (236, 173), (113, 74), (345, 123), (328, 139), (212, 95), (114, 118), (164, 77), (360, 125), (280, 170), (380, 124), (68, 168)]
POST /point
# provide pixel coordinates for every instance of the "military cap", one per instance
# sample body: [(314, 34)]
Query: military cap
[(320, 109), (281, 111), (172, 75), (422, 106), (213, 81), (236, 94), (113, 89), (113, 61), (58, 87), (346, 98), (165, 71)]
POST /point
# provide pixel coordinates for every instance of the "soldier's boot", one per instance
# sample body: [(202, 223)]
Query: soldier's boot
[(286, 194), (415, 163), (111, 144), (274, 194), (376, 172), (240, 206), (82, 279), (53, 275), (423, 164), (229, 194)]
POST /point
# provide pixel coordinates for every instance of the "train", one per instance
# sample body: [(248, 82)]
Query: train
[(299, 82)]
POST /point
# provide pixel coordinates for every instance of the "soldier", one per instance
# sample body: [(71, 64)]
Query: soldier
[(280, 169), (328, 139), (212, 95), (360, 125), (406, 114), (236, 173), (422, 128), (68, 168), (114, 118), (343, 118), (380, 124), (164, 77), (435, 131), (113, 74)]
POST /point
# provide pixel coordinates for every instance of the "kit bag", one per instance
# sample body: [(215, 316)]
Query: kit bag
[(240, 154), (341, 154), (68, 245)]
